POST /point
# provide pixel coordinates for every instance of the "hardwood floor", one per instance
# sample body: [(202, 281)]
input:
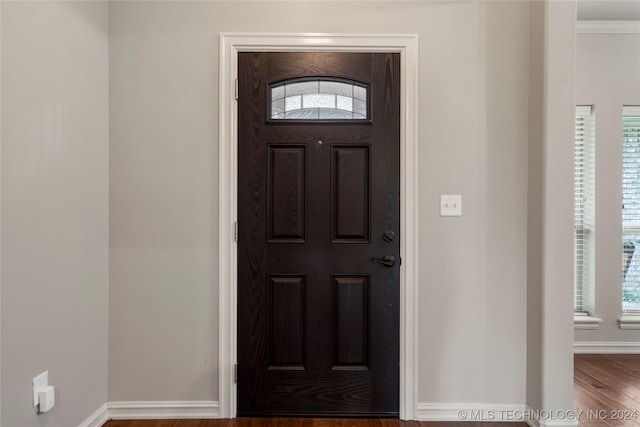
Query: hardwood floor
[(606, 390), (300, 422)]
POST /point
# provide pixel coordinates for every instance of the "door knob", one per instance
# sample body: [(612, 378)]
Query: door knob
[(387, 260)]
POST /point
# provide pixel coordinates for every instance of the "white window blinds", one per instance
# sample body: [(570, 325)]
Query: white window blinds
[(631, 209), (584, 210)]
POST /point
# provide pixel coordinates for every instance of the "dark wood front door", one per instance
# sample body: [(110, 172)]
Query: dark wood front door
[(318, 235)]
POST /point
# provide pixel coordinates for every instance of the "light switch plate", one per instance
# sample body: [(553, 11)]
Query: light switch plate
[(39, 382), (450, 205)]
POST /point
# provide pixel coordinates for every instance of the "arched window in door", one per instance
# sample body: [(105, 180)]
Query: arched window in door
[(319, 99)]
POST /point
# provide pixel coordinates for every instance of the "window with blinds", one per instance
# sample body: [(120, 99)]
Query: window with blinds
[(631, 209), (584, 210)]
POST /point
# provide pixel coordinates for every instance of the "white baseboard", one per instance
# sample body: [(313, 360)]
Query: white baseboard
[(152, 410), (486, 412), (596, 347), (474, 412), (564, 418), (98, 418), (159, 410)]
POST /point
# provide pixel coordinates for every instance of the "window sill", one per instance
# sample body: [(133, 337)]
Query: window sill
[(584, 321), (629, 321)]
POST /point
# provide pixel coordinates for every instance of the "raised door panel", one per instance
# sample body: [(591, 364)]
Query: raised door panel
[(286, 194), (351, 308), (286, 322), (350, 194)]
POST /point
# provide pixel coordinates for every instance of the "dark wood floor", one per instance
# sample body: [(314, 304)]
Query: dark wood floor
[(607, 389), (299, 422), (607, 393)]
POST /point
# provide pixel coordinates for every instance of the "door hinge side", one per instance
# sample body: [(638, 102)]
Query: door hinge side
[(235, 373), (237, 89), (235, 231)]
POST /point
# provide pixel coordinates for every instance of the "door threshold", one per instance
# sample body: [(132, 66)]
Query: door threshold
[(349, 415)]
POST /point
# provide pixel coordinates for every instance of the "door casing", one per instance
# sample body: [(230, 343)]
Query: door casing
[(230, 45)]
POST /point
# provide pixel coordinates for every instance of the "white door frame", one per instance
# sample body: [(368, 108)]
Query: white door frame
[(230, 45)]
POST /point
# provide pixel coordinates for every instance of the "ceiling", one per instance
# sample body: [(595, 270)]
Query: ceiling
[(608, 10)]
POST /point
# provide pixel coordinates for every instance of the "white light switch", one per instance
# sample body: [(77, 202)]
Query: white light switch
[(450, 205)]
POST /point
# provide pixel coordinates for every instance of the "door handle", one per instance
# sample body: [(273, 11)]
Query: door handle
[(387, 260)]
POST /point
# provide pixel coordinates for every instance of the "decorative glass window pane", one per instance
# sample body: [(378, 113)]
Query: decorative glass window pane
[(277, 93), (345, 103), (293, 103), (321, 99), (277, 108), (300, 88), (337, 88), (302, 114), (359, 108), (335, 115), (360, 93)]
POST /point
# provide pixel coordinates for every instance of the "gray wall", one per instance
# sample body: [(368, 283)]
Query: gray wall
[(110, 194), (474, 65), (535, 195), (550, 206), (54, 208), (163, 205), (608, 77)]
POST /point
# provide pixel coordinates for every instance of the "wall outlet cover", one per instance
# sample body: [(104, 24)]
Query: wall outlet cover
[(39, 382)]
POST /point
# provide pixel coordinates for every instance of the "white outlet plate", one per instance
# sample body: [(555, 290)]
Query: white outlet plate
[(39, 382)]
